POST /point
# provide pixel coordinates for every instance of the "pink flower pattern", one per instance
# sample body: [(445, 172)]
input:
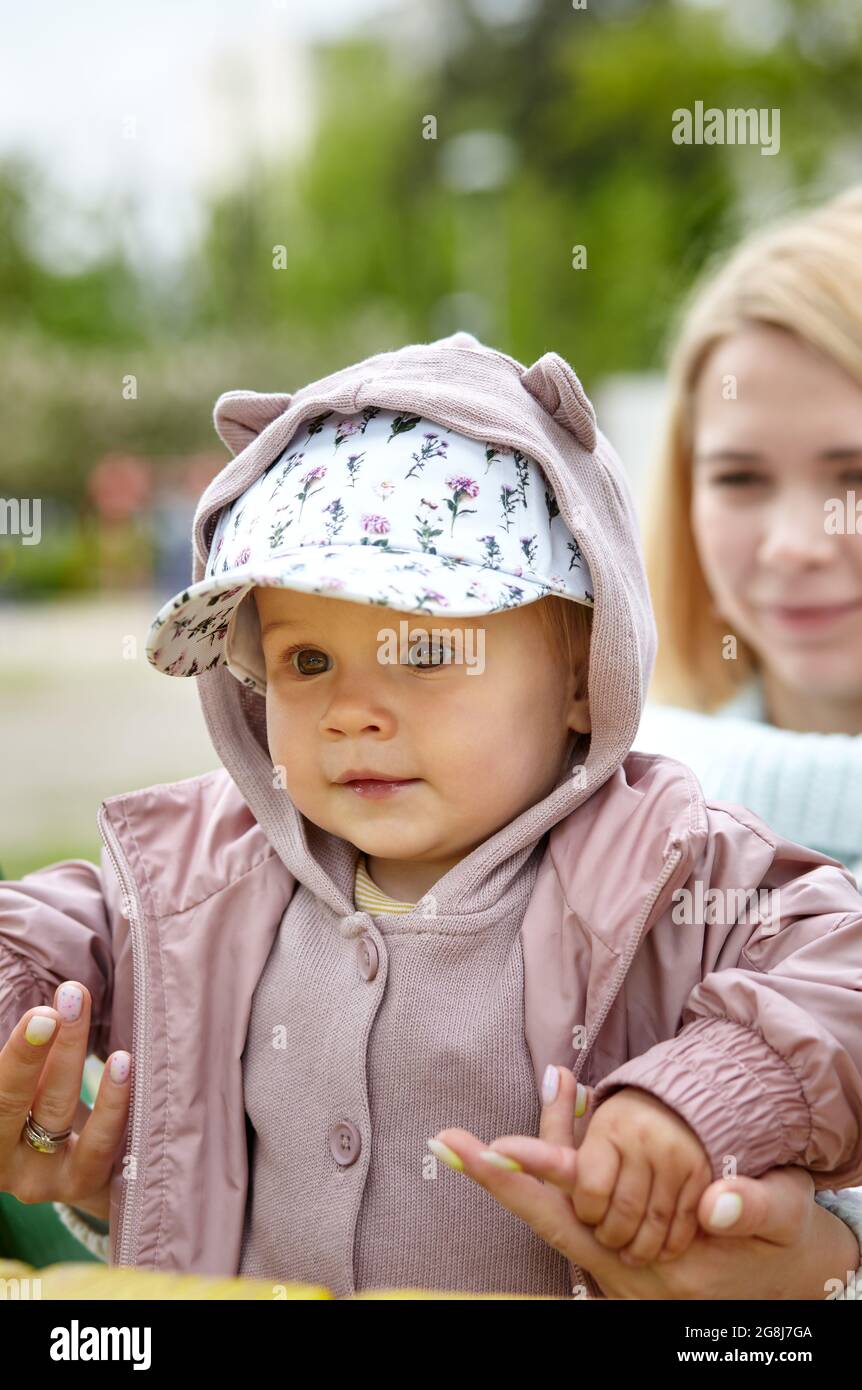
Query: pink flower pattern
[(407, 491)]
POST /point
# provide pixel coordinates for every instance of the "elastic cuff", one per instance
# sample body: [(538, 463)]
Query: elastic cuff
[(846, 1203), (74, 1221), (735, 1091)]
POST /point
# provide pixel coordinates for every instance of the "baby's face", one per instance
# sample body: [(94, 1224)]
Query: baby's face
[(477, 744)]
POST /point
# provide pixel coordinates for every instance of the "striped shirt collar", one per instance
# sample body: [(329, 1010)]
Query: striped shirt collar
[(369, 898)]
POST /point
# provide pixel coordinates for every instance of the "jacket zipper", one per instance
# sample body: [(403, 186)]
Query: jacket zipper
[(671, 863), (140, 1074), (140, 1080)]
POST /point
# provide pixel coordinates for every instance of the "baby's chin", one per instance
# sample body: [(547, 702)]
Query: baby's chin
[(383, 834), (382, 827)]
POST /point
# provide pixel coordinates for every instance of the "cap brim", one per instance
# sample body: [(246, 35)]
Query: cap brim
[(187, 635)]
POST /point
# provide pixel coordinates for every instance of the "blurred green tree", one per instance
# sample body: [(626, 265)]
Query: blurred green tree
[(390, 236)]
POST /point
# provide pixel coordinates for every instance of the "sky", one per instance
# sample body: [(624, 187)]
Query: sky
[(136, 109)]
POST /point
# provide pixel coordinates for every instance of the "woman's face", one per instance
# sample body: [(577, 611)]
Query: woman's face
[(777, 434)]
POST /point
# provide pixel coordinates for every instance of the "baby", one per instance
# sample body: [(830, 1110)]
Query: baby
[(419, 759), (437, 740), (430, 874)]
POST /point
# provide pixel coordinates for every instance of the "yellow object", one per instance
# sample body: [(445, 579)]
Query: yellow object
[(418, 1294), (83, 1281), (40, 1029), (73, 1280), (501, 1160), (445, 1154)]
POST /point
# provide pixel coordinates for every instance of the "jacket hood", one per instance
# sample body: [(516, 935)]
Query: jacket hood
[(544, 412)]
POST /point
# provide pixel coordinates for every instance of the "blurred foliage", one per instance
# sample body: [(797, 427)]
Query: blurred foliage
[(16, 863), (62, 562), (75, 554), (382, 248)]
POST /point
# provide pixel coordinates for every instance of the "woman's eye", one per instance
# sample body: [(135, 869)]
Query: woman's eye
[(738, 479), (310, 661), (853, 476)]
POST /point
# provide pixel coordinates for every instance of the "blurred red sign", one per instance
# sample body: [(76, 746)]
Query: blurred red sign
[(119, 485)]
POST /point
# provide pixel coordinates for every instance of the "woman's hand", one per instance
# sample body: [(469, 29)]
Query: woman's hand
[(45, 1077), (783, 1245)]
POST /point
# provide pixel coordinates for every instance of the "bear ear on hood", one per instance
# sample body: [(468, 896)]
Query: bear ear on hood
[(459, 339), (556, 387), (240, 416)]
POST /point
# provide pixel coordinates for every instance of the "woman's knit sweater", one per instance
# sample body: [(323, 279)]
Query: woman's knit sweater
[(807, 786)]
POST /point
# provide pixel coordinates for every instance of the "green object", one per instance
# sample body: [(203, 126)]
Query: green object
[(36, 1235)]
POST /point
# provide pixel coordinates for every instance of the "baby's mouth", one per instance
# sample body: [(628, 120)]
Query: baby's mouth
[(376, 788)]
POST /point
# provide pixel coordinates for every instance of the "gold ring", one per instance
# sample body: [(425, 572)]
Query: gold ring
[(44, 1141)]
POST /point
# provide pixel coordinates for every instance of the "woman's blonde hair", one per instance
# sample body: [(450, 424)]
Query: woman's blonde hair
[(803, 274)]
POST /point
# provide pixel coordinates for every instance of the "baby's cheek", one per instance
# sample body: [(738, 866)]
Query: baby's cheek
[(481, 781)]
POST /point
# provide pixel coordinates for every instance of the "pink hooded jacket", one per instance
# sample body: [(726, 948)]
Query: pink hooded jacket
[(752, 1031)]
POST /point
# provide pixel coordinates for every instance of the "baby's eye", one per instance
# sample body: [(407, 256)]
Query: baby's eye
[(310, 667), (427, 655)]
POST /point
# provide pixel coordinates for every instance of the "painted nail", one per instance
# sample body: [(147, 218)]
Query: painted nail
[(501, 1160), (445, 1154), (120, 1064), (70, 1000), (726, 1211), (40, 1029), (550, 1084), (580, 1101)]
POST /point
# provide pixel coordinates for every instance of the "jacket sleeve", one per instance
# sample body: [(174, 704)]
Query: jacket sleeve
[(58, 924), (767, 1067)]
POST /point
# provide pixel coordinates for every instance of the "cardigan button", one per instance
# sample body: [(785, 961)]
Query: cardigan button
[(345, 1142), (367, 957)]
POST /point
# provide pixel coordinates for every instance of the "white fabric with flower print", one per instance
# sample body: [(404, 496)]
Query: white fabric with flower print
[(379, 507)]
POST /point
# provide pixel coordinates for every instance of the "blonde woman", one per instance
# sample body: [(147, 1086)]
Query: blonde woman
[(754, 539)]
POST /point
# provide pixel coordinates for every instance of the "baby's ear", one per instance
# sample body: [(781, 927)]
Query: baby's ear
[(240, 416)]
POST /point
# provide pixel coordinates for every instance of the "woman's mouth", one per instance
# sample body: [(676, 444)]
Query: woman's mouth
[(800, 618)]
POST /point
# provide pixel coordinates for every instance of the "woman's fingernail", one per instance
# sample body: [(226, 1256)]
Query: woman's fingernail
[(501, 1160), (726, 1211), (40, 1029), (550, 1084), (119, 1066), (445, 1154), (70, 1001), (580, 1101)]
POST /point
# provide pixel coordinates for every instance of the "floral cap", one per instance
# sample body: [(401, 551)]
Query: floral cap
[(377, 507)]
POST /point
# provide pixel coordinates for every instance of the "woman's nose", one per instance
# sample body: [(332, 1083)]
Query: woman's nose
[(795, 536)]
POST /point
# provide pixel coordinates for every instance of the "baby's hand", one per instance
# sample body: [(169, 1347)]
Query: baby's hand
[(640, 1175)]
